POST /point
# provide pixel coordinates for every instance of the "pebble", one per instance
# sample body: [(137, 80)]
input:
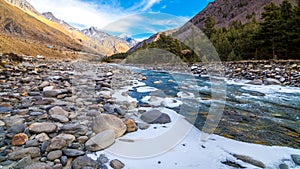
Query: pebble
[(42, 137), (19, 154), (38, 166), (84, 161), (54, 155), (73, 152), (131, 125), (19, 139), (116, 164), (155, 117)]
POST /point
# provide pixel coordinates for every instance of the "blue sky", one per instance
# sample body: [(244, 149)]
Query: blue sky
[(136, 18)]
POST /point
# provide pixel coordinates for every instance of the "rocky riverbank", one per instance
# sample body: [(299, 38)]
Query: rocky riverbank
[(52, 114), (286, 73)]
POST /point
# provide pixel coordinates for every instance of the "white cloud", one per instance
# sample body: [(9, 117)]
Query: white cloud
[(110, 15)]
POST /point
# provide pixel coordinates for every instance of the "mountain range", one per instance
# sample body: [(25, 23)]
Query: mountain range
[(23, 30)]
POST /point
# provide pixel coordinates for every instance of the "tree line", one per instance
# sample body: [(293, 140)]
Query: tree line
[(275, 37)]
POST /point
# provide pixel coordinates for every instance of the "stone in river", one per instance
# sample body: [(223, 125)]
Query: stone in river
[(155, 117), (256, 82), (116, 164), (131, 125), (38, 165), (42, 127), (283, 166), (73, 152), (270, 81), (84, 161), (119, 111), (17, 128), (106, 121), (296, 158), (19, 154), (101, 141), (19, 139), (64, 160), (54, 155)]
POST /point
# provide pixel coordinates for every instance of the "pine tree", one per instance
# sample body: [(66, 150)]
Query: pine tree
[(209, 26)]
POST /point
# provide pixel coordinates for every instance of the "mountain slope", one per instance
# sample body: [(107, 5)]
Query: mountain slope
[(24, 5), (17, 25), (111, 44), (225, 12)]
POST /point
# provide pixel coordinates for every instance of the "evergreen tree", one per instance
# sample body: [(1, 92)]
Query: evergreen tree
[(209, 26)]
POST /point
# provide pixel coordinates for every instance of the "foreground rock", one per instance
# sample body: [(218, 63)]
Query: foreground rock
[(106, 121), (101, 141), (19, 154), (42, 127), (155, 117)]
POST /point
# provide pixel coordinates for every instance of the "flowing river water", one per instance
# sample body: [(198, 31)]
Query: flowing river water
[(268, 115)]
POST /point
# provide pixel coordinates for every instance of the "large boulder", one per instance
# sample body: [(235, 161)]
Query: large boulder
[(104, 122), (101, 140)]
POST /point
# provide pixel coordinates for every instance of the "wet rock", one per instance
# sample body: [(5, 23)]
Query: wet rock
[(38, 166), (44, 146), (57, 166), (84, 161), (283, 166), (143, 126), (101, 141), (155, 117), (296, 158), (119, 111), (42, 137), (116, 164), (107, 121), (51, 93), (270, 81), (82, 139), (256, 82), (73, 152), (19, 139), (54, 155), (131, 125), (19, 154), (42, 127)]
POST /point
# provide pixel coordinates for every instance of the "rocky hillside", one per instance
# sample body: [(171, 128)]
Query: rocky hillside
[(111, 43), (20, 31), (226, 11), (51, 17), (24, 5)]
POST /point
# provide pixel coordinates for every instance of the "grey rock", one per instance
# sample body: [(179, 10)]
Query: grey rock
[(31, 151), (54, 155), (116, 164), (155, 117), (58, 111), (42, 137), (270, 81), (73, 152), (64, 160), (32, 143), (51, 93), (256, 82), (56, 144), (44, 146), (42, 127), (119, 111), (296, 158), (5, 109), (143, 126), (102, 159), (26, 161), (17, 128), (84, 161), (59, 118), (38, 166), (67, 137), (74, 129), (101, 141), (249, 160), (57, 166), (283, 166)]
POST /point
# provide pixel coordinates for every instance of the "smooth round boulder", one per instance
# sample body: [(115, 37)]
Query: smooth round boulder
[(101, 140), (107, 121)]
